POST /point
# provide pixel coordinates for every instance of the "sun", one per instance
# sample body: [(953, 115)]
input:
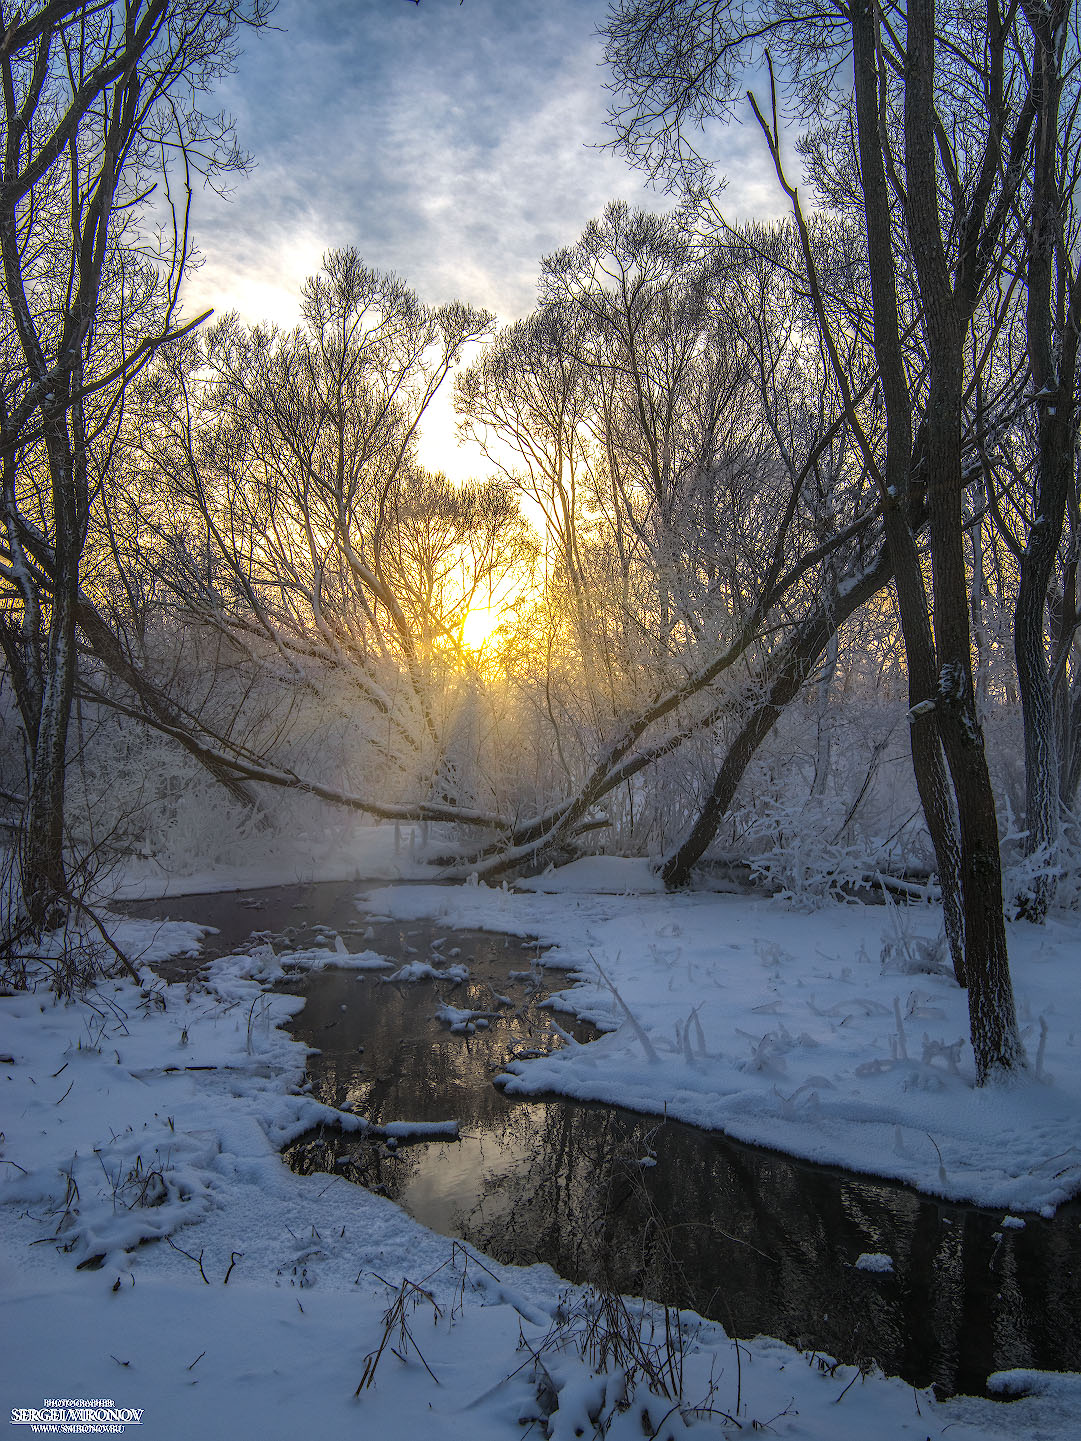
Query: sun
[(491, 609), (480, 624)]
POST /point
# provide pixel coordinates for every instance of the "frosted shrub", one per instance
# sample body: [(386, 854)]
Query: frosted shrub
[(135, 795), (908, 954), (790, 855), (916, 956), (1021, 872), (1068, 891), (829, 800), (204, 828)]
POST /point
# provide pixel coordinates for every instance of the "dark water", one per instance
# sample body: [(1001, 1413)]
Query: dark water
[(761, 1242)]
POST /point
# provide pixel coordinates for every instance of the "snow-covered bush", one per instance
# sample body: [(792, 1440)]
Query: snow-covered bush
[(611, 1366)]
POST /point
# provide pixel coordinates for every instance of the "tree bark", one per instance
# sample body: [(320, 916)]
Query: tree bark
[(1052, 368), (41, 861), (993, 1023)]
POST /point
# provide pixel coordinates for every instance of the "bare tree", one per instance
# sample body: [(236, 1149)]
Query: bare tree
[(272, 491), (97, 101), (292, 456), (1052, 320), (523, 402), (664, 386)]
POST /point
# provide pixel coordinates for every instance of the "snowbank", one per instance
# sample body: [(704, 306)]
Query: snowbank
[(601, 875)]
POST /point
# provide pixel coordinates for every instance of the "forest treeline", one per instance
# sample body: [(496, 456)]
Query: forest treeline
[(814, 476)]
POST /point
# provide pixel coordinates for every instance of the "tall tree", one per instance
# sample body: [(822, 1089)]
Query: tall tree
[(291, 456), (944, 202), (1052, 321), (98, 100)]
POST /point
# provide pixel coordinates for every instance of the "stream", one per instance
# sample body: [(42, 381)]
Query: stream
[(757, 1240)]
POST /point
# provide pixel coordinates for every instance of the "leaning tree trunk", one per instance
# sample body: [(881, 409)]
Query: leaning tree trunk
[(799, 660)]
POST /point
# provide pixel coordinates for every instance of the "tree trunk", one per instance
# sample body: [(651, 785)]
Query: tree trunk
[(1053, 387), (41, 860), (992, 1016), (897, 484)]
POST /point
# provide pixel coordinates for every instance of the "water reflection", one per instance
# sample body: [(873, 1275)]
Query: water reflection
[(760, 1243), (763, 1243), (296, 915)]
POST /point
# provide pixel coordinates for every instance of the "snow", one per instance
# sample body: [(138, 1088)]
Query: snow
[(414, 1130), (424, 971), (875, 1261), (264, 963), (224, 1295), (463, 1022), (612, 875)]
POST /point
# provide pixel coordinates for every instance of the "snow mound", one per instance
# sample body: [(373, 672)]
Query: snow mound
[(267, 965), (599, 875), (464, 1022), (422, 971), (874, 1261)]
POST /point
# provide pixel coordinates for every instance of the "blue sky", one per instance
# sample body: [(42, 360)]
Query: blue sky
[(454, 144)]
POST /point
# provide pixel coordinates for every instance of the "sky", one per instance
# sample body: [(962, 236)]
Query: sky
[(452, 144)]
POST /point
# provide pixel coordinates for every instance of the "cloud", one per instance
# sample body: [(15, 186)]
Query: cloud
[(450, 144), (454, 145)]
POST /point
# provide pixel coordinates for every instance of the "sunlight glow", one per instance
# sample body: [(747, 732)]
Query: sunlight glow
[(480, 624), (493, 609)]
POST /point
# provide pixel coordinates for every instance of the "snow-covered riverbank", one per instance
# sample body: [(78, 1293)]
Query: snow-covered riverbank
[(158, 1111)]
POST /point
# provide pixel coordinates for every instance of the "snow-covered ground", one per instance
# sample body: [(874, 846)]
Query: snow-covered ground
[(255, 1306)]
